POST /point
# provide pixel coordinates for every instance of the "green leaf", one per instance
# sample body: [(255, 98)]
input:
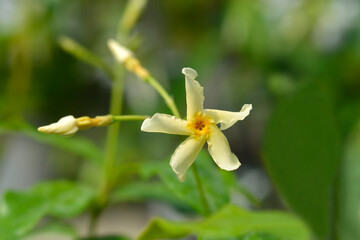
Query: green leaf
[(142, 191), (53, 227), (301, 154), (348, 206), (229, 222), (63, 199), (76, 145), (258, 236), (216, 189), (21, 211), (106, 238), (250, 236)]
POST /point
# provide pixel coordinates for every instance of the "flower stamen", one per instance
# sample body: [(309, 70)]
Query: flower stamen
[(200, 124)]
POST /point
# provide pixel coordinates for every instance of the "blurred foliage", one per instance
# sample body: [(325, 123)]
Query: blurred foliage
[(297, 62), (21, 211), (348, 193), (217, 191), (304, 171), (105, 238), (229, 222)]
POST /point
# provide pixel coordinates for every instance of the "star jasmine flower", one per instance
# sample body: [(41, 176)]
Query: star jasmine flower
[(200, 126)]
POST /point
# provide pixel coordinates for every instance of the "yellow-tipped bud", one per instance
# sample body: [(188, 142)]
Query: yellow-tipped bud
[(69, 125), (124, 56), (99, 121)]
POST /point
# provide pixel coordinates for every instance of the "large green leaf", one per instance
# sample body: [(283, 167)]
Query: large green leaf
[(229, 222), (249, 236), (57, 227), (21, 211), (63, 199), (106, 238), (216, 184), (258, 236), (301, 154), (349, 191)]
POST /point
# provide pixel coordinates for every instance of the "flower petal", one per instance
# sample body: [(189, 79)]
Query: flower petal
[(164, 123), (66, 126), (226, 118), (185, 155), (194, 93), (220, 151)]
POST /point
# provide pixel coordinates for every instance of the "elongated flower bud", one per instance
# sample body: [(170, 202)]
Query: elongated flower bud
[(120, 52), (65, 126), (124, 56), (69, 125)]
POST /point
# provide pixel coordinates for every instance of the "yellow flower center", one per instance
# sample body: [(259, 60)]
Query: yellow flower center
[(200, 124)]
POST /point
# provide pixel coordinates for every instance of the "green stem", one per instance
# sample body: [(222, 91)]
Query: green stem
[(131, 14), (113, 131), (128, 118), (94, 217), (168, 99), (248, 195), (110, 149), (77, 50), (201, 189)]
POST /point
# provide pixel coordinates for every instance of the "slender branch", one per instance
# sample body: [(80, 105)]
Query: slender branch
[(113, 131), (248, 195), (167, 98), (131, 14), (94, 218), (84, 54), (201, 189), (112, 136), (129, 118)]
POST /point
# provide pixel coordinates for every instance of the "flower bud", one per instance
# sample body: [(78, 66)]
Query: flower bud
[(127, 58), (103, 121), (121, 53), (65, 126), (85, 123)]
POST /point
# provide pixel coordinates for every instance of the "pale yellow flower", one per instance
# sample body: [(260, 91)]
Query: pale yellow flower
[(200, 126)]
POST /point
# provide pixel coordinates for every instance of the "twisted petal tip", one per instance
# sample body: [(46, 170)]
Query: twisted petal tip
[(189, 72)]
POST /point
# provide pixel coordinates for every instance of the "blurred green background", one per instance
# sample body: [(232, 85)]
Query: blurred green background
[(297, 62)]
